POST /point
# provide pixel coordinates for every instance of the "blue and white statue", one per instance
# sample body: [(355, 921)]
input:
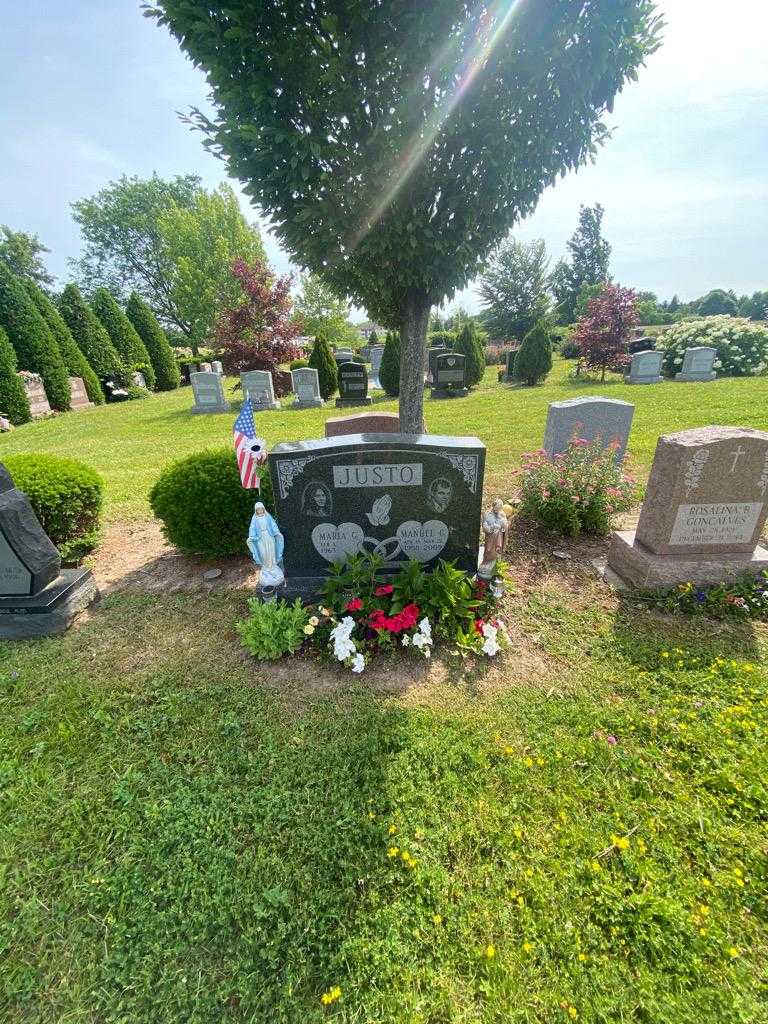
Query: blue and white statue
[(266, 546)]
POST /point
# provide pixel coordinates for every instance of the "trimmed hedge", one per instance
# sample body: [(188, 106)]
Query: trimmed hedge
[(13, 397), (534, 357), (66, 496), (389, 371), (167, 373), (74, 360), (203, 506), (123, 335), (321, 359), (468, 342), (298, 364), (92, 340), (35, 346)]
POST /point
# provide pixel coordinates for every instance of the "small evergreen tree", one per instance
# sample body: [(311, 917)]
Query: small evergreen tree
[(74, 360), (321, 359), (534, 358), (92, 340), (35, 346), (167, 375), (468, 343), (373, 338), (123, 335), (13, 397), (389, 371)]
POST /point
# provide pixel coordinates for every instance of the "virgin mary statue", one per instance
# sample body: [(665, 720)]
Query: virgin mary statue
[(266, 545)]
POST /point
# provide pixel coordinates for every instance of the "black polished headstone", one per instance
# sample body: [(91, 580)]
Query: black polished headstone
[(353, 385), (432, 352), (6, 480), (450, 376), (395, 495)]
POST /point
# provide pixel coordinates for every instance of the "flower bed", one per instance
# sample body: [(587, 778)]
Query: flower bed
[(745, 599), (361, 615)]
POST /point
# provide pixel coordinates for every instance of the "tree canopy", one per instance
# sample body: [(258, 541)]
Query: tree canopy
[(588, 264), (514, 288), (21, 253), (321, 309), (604, 332), (392, 145), (170, 241)]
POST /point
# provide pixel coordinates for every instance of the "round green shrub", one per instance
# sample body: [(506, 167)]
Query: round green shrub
[(299, 364), (203, 506), (389, 371), (66, 496), (742, 344), (534, 358), (13, 398), (321, 359)]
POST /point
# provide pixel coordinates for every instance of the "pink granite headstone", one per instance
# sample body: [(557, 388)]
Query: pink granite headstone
[(80, 398), (363, 423), (36, 396)]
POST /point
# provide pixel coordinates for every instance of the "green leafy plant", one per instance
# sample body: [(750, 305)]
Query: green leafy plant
[(578, 490), (273, 629), (167, 375), (35, 347), (123, 335), (742, 344), (66, 496), (321, 359), (446, 338), (13, 398), (389, 371), (533, 360), (298, 364), (203, 506), (745, 598), (91, 337)]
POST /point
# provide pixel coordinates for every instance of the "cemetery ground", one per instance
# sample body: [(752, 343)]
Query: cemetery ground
[(575, 832)]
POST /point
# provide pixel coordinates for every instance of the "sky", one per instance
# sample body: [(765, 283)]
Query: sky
[(90, 90)]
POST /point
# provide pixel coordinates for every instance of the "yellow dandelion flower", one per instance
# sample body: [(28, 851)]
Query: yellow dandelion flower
[(527, 947), (620, 842), (529, 762), (703, 909), (665, 654), (330, 996), (490, 951), (371, 815), (573, 1013), (596, 865), (405, 856), (392, 829), (509, 750), (393, 851), (582, 957), (702, 931), (309, 629), (733, 951), (437, 918)]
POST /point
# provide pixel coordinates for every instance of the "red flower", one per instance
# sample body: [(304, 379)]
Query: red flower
[(385, 588), (405, 619), (354, 605), (478, 625)]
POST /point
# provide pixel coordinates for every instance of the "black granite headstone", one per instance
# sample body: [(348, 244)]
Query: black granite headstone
[(353, 385), (399, 496), (450, 377), (432, 352)]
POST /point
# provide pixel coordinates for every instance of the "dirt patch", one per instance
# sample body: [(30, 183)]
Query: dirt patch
[(135, 556)]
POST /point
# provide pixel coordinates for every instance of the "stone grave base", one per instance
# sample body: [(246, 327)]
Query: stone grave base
[(350, 403), (315, 403), (639, 567), (693, 377), (49, 612), (265, 406), (449, 392), (198, 409), (643, 380)]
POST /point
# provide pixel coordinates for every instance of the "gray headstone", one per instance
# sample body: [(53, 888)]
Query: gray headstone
[(258, 386), (698, 364), (208, 391), (306, 387), (28, 559), (217, 366), (36, 396), (645, 368), (396, 495), (589, 418), (139, 379), (206, 368), (343, 355), (79, 395)]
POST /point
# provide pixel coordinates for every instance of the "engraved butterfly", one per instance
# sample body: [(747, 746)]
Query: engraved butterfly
[(379, 514)]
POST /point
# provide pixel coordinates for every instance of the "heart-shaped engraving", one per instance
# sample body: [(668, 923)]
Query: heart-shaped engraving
[(422, 541), (334, 542)]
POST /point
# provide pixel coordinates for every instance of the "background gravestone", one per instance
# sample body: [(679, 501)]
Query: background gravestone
[(206, 368), (36, 396), (80, 398), (36, 598), (396, 495), (645, 368), (698, 364), (589, 417), (363, 423), (208, 391), (704, 510), (432, 352), (258, 386), (138, 379), (217, 366), (306, 387), (449, 379), (343, 355), (376, 355), (509, 365), (353, 385)]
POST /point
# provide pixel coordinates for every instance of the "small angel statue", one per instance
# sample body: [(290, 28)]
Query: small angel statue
[(495, 526)]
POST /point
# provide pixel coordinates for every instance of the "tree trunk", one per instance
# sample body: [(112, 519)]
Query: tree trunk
[(414, 318)]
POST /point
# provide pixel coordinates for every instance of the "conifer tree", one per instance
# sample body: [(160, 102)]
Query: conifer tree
[(321, 359), (35, 347), (468, 343), (74, 360), (13, 397), (534, 358), (389, 371), (123, 334), (167, 374), (91, 337)]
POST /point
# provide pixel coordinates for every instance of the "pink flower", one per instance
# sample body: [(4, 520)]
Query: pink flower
[(385, 588), (354, 605), (611, 740)]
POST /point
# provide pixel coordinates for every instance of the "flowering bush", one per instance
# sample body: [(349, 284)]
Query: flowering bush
[(578, 490), (742, 345), (744, 599)]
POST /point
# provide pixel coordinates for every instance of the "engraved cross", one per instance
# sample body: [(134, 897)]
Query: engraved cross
[(736, 456)]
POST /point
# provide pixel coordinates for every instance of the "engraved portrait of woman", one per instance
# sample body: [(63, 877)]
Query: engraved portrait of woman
[(316, 500)]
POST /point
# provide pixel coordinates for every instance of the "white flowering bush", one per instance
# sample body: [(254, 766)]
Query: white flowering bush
[(742, 345)]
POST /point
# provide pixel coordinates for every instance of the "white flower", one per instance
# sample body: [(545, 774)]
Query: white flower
[(490, 647), (419, 640), (343, 645), (425, 627), (406, 640), (358, 663)]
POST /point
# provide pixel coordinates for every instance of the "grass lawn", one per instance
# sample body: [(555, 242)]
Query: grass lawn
[(130, 443), (189, 837)]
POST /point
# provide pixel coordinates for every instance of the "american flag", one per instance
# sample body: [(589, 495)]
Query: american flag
[(251, 450)]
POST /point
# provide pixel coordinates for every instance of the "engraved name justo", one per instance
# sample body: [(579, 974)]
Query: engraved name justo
[(406, 474)]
